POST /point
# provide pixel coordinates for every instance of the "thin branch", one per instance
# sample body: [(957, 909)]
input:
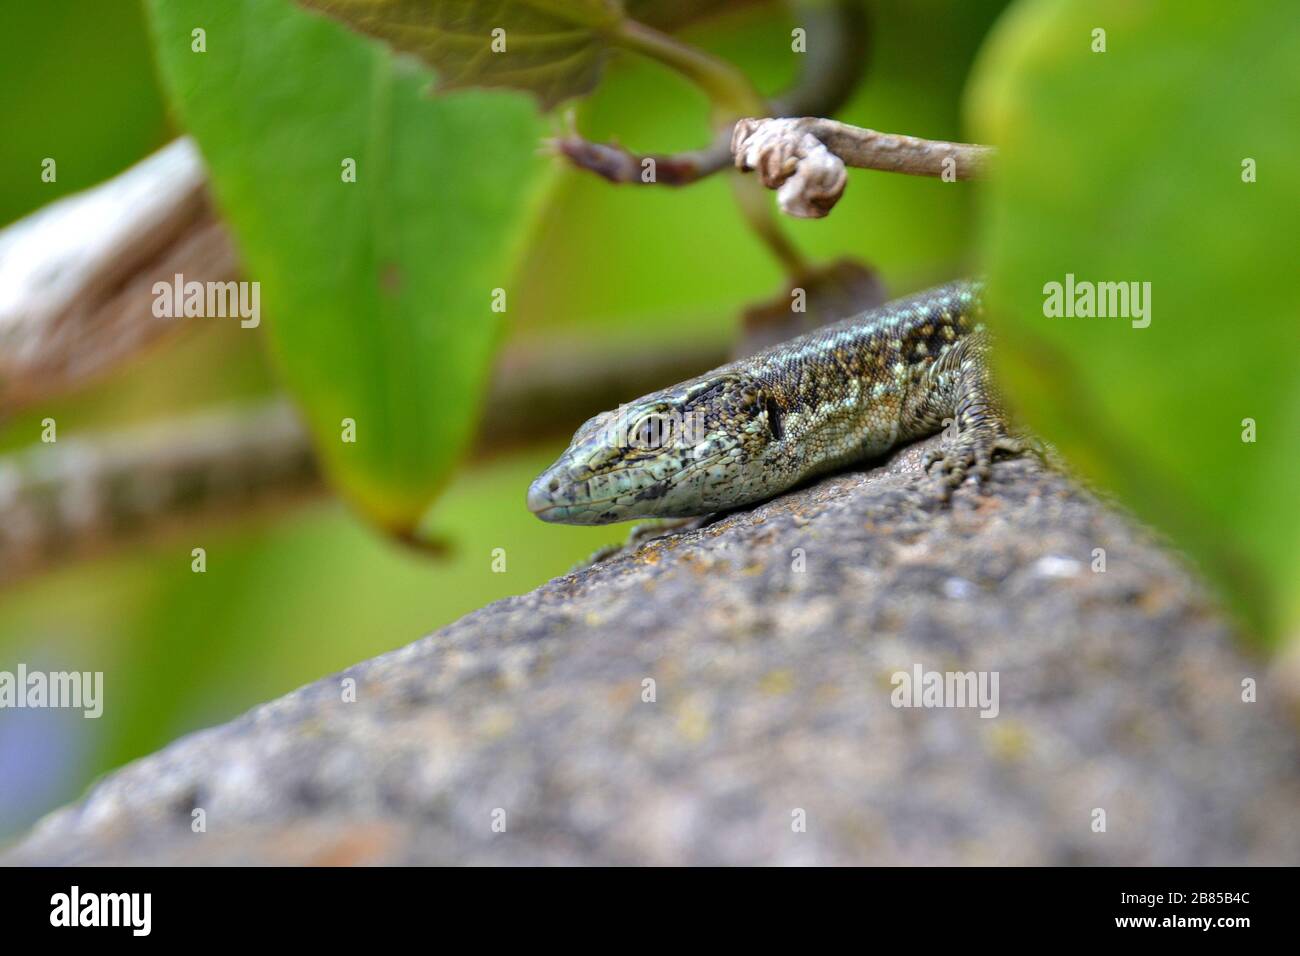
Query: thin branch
[(837, 32), (622, 166), (804, 159), (75, 497), (76, 276), (888, 152), (763, 222), (88, 495), (838, 36), (728, 87)]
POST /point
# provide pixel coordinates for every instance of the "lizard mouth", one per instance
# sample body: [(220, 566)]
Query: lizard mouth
[(547, 499), (551, 498), (544, 502), (587, 512)]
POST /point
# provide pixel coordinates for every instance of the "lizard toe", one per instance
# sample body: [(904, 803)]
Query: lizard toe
[(972, 456)]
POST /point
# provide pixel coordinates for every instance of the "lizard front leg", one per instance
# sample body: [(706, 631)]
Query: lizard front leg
[(980, 420)]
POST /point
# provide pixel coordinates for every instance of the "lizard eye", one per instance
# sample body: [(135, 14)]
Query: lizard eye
[(652, 431)]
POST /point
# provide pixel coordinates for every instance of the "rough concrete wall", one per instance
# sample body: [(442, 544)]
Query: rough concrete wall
[(1118, 690)]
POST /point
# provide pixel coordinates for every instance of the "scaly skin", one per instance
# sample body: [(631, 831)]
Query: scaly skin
[(750, 430)]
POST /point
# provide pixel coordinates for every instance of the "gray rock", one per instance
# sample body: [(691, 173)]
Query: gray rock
[(1118, 690)]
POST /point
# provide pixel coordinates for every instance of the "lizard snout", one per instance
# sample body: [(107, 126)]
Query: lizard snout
[(541, 493)]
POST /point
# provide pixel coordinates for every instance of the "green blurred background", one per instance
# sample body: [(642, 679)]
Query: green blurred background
[(290, 597)]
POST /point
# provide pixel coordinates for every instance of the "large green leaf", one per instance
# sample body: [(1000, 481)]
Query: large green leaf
[(377, 294), (553, 48), (1127, 165), (62, 98)]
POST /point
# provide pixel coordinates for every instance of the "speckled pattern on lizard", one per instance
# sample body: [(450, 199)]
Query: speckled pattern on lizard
[(752, 429)]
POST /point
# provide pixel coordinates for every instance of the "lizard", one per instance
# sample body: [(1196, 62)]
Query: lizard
[(750, 430)]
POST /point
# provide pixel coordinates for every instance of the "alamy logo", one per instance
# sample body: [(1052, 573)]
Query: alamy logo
[(74, 689), (212, 300), (103, 909), (1102, 300), (922, 688)]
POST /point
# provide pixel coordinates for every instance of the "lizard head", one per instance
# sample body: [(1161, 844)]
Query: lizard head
[(675, 453)]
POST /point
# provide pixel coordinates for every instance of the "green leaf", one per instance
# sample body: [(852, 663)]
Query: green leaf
[(1127, 166), (672, 15), (376, 294), (552, 48), (78, 120)]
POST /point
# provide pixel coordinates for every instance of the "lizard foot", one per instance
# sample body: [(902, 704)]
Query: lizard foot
[(972, 454)]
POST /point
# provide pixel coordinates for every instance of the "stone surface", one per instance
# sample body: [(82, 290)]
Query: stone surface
[(1118, 690)]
